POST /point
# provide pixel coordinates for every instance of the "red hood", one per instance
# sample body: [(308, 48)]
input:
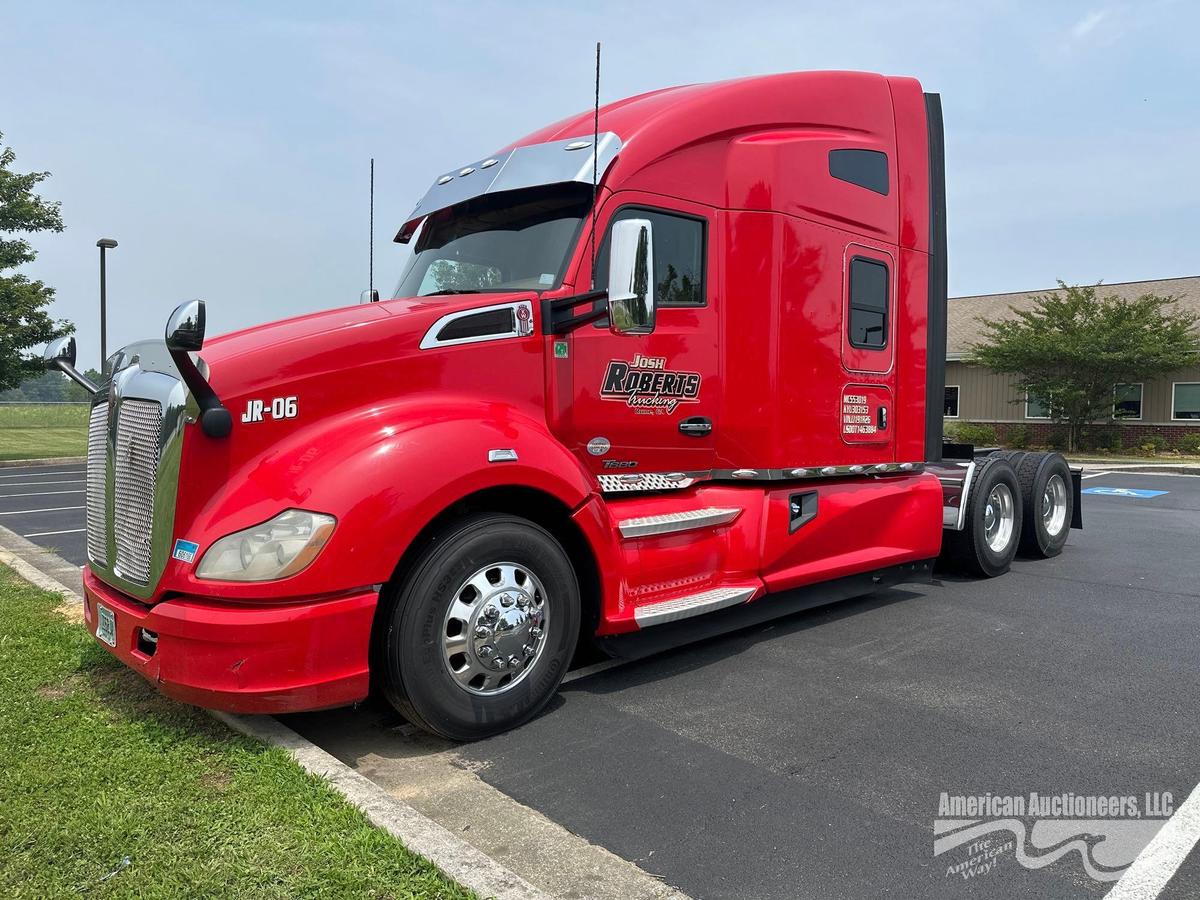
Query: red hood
[(331, 341)]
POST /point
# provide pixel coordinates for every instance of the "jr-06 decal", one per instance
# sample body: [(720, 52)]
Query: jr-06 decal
[(648, 386)]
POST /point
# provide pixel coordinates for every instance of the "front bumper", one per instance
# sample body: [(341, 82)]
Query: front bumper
[(273, 658)]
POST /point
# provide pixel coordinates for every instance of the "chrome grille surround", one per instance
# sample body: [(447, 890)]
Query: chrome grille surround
[(146, 406), (139, 424), (97, 509)]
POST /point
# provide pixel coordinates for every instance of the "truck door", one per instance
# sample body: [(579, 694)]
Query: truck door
[(646, 403), (866, 406)]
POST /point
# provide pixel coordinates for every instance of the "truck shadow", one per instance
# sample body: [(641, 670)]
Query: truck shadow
[(733, 640), (372, 736)]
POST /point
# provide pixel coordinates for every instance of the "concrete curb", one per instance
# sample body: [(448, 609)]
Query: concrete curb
[(60, 461), (1138, 468), (45, 569), (459, 860)]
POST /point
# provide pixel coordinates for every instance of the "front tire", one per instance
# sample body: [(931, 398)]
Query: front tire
[(481, 631)]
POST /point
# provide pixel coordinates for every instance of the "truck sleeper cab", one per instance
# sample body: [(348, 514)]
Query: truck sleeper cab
[(706, 386)]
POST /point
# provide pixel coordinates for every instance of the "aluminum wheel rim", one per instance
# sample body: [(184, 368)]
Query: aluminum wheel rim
[(998, 518), (495, 629), (1054, 505)]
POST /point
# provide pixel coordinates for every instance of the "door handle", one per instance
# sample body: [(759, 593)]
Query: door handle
[(696, 426)]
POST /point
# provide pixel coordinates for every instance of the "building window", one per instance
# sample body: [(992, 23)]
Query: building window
[(950, 411), (1035, 409), (1127, 401), (1185, 400), (868, 303)]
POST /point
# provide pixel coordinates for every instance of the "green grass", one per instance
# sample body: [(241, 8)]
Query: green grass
[(97, 768), (42, 431)]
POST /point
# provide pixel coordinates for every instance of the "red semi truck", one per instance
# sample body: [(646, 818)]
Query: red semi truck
[(685, 364)]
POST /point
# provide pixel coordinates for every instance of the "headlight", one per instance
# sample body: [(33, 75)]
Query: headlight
[(275, 549)]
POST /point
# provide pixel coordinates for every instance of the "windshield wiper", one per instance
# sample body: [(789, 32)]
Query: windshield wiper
[(452, 291)]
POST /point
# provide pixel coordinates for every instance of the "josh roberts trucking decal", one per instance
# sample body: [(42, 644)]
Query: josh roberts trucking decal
[(648, 386)]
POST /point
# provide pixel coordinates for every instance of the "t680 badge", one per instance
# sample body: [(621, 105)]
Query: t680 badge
[(647, 385)]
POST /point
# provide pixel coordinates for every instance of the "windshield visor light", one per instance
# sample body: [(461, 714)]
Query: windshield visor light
[(276, 549)]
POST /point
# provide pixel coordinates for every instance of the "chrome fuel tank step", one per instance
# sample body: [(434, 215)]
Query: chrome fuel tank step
[(692, 605)]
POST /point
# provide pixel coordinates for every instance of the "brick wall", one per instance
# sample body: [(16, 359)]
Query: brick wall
[(1131, 433)]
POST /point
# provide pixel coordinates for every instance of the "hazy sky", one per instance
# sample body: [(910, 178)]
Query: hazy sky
[(226, 145)]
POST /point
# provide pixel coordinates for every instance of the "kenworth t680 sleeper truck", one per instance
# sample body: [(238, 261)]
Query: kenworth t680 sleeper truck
[(684, 363)]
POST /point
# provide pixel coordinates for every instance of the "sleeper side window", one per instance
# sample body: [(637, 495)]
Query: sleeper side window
[(868, 324)]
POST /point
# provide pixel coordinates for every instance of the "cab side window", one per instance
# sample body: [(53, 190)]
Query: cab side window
[(868, 324), (679, 251)]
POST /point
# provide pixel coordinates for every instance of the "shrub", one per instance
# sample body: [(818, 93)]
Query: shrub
[(1153, 443), (1101, 439), (1018, 437), (973, 433), (1059, 439), (1190, 444)]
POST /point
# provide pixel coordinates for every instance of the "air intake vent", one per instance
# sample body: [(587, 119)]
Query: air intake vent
[(97, 457), (139, 423)]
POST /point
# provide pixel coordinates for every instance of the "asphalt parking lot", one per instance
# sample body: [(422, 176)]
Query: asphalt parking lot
[(45, 504), (806, 757)]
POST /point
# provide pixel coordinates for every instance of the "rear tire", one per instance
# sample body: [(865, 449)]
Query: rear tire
[(1012, 457), (480, 632), (1048, 496), (992, 529)]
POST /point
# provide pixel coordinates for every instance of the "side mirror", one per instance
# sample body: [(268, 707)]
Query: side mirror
[(185, 328), (631, 277), (368, 297), (60, 357)]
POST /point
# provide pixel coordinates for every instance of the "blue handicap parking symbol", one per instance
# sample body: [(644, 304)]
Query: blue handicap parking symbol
[(1123, 492)]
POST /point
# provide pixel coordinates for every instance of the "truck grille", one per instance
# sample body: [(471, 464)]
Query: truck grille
[(135, 470), (97, 521)]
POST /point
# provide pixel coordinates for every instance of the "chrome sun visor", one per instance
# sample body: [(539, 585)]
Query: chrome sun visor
[(534, 165)]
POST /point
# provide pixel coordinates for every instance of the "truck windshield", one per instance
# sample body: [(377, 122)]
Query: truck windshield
[(518, 240)]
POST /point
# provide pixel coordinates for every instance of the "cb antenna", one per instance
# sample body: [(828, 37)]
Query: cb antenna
[(371, 237), (595, 160)]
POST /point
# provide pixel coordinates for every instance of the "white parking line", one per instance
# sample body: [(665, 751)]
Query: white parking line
[(48, 533), (1159, 859), (41, 493), (42, 474), (21, 512), (40, 483), (1096, 474)]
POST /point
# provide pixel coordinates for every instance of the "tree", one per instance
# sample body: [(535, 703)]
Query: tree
[(1073, 347), (24, 322)]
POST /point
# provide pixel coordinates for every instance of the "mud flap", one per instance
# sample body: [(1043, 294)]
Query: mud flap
[(1077, 491)]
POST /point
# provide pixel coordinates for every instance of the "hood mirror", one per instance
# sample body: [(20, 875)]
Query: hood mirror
[(60, 357), (631, 277), (185, 333), (185, 328)]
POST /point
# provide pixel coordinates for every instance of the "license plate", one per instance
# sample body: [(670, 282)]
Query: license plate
[(106, 625)]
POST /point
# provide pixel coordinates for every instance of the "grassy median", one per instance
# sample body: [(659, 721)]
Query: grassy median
[(108, 790), (42, 431)]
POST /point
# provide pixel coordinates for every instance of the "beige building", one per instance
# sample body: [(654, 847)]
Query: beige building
[(1167, 406)]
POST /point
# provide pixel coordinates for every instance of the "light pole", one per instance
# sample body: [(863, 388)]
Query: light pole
[(104, 244)]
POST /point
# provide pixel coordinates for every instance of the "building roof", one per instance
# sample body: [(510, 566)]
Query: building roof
[(963, 328)]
